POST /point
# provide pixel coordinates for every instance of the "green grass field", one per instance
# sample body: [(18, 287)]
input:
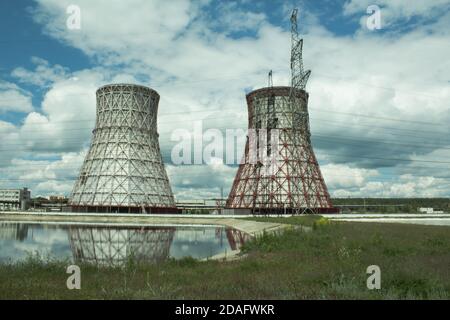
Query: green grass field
[(327, 263)]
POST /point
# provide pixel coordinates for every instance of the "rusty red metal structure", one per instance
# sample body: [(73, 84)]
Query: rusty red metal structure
[(279, 172)]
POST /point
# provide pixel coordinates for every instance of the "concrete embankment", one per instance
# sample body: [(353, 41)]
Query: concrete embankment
[(436, 219)]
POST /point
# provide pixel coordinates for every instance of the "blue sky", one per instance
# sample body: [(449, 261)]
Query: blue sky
[(22, 38), (378, 99)]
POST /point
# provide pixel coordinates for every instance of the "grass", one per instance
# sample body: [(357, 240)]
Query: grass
[(328, 263)]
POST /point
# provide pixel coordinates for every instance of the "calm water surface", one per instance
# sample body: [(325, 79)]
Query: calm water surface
[(114, 245)]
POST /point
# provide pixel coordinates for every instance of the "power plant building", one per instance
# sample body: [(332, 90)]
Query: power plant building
[(15, 199)]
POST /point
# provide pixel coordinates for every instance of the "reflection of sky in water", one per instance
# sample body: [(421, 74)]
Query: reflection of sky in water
[(43, 239), (199, 243), (17, 240)]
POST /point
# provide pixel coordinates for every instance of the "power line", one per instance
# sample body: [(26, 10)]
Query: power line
[(233, 117), (389, 159), (341, 138), (76, 142), (380, 118), (78, 167), (411, 93), (242, 110), (208, 174)]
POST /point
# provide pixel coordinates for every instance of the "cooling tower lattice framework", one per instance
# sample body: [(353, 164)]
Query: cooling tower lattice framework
[(291, 182), (123, 170)]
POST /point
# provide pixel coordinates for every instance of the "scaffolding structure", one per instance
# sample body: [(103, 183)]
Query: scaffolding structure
[(123, 171), (279, 172)]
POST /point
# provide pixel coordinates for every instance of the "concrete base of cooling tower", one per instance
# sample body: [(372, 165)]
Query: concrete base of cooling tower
[(236, 211), (278, 211), (124, 209)]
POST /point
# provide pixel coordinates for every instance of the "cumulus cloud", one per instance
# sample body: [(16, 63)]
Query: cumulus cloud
[(13, 98), (54, 176), (340, 176), (397, 11), (8, 133), (201, 181), (43, 74), (234, 19)]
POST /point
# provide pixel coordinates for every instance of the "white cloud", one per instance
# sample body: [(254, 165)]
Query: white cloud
[(113, 28), (66, 118), (341, 176), (13, 98), (43, 176), (233, 19), (42, 75), (65, 168), (53, 187), (201, 182), (397, 11), (9, 135)]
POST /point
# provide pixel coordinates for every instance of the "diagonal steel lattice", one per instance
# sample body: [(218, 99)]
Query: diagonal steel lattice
[(123, 170), (299, 77), (279, 172)]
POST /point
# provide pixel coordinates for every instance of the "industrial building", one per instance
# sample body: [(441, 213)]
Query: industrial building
[(52, 203), (279, 173), (15, 199), (429, 210), (123, 171)]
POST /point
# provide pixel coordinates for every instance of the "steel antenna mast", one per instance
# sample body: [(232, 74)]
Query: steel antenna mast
[(291, 183), (299, 77), (271, 124), (300, 121)]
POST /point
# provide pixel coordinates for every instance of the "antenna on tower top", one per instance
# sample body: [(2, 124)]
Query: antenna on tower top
[(299, 77), (270, 83), (287, 180)]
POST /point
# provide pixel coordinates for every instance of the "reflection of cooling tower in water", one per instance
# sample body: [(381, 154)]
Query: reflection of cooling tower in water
[(123, 170), (13, 231), (114, 247), (236, 238)]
